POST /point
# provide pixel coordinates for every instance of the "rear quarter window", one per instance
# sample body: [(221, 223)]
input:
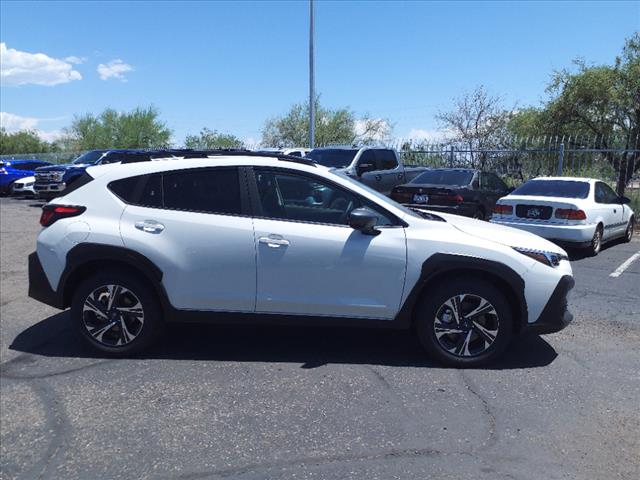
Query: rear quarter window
[(142, 190)]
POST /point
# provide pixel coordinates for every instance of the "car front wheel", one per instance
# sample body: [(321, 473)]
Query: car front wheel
[(116, 313), (464, 323)]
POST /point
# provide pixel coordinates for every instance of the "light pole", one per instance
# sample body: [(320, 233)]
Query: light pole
[(312, 93)]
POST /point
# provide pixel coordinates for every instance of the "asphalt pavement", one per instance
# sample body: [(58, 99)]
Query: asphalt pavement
[(254, 403)]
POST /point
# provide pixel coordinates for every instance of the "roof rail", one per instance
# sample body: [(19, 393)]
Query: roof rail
[(191, 153)]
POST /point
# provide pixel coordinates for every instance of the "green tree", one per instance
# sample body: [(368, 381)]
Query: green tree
[(24, 141), (211, 139), (139, 128), (339, 126), (600, 103)]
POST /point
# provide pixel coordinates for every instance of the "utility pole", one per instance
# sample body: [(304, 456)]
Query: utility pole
[(312, 92)]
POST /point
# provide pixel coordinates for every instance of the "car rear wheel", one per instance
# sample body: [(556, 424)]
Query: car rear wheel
[(116, 313), (464, 323), (596, 241), (478, 214), (629, 233)]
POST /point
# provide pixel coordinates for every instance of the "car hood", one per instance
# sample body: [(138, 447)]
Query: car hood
[(511, 237), (61, 168)]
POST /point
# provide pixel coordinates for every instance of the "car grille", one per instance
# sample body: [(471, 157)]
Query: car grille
[(45, 177), (537, 212)]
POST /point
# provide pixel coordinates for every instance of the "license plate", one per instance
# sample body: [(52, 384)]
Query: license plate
[(534, 213), (417, 198)]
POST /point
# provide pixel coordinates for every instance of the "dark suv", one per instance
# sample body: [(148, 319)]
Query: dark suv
[(461, 191)]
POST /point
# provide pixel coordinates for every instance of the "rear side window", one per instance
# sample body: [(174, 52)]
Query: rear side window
[(605, 194), (212, 191)]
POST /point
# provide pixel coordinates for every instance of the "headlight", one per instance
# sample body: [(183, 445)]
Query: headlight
[(550, 259)]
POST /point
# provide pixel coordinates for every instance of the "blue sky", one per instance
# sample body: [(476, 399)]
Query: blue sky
[(231, 65)]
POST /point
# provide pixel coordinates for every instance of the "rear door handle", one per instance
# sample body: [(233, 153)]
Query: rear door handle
[(149, 226), (274, 242)]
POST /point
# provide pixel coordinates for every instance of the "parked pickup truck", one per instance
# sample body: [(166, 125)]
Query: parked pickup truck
[(379, 168)]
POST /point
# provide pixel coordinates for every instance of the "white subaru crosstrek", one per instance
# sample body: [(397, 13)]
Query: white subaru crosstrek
[(241, 237)]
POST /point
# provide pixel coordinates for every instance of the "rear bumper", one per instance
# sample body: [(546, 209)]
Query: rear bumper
[(556, 315), (39, 287), (576, 234)]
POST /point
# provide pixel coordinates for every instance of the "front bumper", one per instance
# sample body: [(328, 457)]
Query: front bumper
[(573, 234), (39, 287), (46, 188), (555, 316)]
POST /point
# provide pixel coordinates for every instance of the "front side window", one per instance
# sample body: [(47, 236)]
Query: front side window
[(368, 157), (303, 198), (605, 194), (494, 183), (386, 159), (211, 191)]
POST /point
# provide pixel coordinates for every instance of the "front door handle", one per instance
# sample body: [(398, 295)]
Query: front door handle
[(378, 177), (401, 176), (149, 226), (274, 242)]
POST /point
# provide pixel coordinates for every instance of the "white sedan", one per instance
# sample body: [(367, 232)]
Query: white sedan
[(24, 186), (581, 212)]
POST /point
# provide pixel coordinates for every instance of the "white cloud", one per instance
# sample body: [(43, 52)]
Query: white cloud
[(14, 123), (22, 68), (75, 60), (381, 129), (114, 69)]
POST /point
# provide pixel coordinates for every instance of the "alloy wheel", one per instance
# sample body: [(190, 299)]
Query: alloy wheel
[(466, 325), (113, 315), (596, 243)]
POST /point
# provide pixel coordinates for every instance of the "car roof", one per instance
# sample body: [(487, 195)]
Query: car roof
[(21, 161)]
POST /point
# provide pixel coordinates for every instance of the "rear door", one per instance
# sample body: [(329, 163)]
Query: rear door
[(194, 225), (494, 189), (310, 262)]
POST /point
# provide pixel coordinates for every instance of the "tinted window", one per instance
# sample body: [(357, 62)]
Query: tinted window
[(111, 158), (444, 177), (144, 190), (605, 194), (213, 191), (334, 157), (307, 199), (386, 159), (554, 188), (368, 156)]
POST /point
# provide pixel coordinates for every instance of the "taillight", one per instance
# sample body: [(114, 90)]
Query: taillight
[(53, 213), (503, 209), (570, 214), (402, 197), (447, 199)]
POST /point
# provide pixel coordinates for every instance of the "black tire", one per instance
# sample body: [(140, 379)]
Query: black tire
[(478, 214), (596, 242), (429, 317), (93, 295), (628, 235)]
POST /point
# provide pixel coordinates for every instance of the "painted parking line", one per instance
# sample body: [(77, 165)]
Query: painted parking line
[(618, 271)]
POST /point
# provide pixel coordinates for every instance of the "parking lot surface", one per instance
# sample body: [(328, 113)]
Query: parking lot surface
[(249, 403)]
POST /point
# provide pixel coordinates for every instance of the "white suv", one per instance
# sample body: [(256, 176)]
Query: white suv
[(255, 238)]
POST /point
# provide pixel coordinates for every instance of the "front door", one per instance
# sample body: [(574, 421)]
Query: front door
[(310, 262)]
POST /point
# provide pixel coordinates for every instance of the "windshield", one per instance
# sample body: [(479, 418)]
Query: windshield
[(444, 177), (553, 188), (333, 158), (383, 197), (88, 158)]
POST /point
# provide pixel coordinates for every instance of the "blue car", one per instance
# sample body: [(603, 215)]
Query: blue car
[(12, 170)]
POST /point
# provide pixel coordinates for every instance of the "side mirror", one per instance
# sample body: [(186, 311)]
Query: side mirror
[(624, 200), (364, 220), (364, 168)]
